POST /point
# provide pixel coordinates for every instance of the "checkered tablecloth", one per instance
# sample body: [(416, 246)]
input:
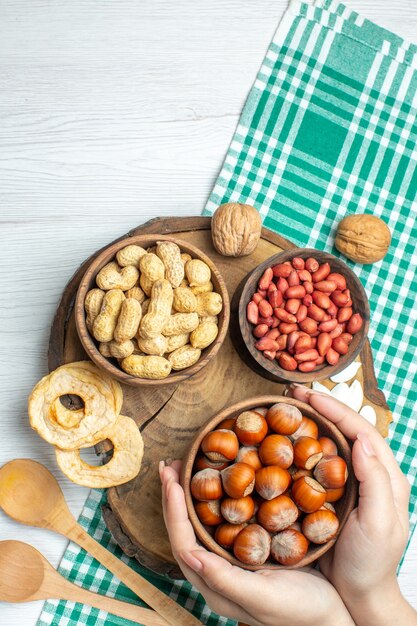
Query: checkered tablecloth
[(329, 129)]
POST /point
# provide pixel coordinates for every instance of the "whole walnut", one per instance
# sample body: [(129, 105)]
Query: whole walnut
[(363, 238), (236, 229)]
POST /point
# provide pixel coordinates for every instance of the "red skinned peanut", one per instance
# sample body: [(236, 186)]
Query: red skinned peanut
[(322, 273), (340, 345), (257, 297), (297, 291), (336, 332), (308, 299), (312, 265), (293, 279), (282, 284), (324, 342), (346, 337), (301, 313), (340, 298), (308, 286), (321, 299), (287, 362), (298, 263), (273, 333), (275, 297), (344, 314), (285, 316), (286, 328), (308, 325), (282, 342), (320, 360), (339, 279), (307, 366), (252, 312), (304, 275), (307, 355), (282, 270), (332, 357), (265, 309), (269, 354), (260, 330), (355, 324), (266, 278), (292, 338), (332, 310), (327, 286), (266, 343), (315, 312), (349, 302), (292, 305), (266, 320), (302, 344)]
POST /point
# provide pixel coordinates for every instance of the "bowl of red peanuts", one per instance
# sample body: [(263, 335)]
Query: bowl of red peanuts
[(269, 483), (303, 316)]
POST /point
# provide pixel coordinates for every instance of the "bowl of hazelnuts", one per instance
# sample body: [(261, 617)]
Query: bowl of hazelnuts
[(269, 483)]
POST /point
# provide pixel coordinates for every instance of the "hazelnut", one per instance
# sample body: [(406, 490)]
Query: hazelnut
[(238, 480), (236, 229), (320, 526), (252, 545), (363, 238), (289, 546), (331, 472)]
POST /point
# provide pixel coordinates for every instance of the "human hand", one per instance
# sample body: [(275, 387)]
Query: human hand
[(362, 565), (263, 598)]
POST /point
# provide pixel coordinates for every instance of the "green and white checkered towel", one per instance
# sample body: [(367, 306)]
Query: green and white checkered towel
[(329, 129)]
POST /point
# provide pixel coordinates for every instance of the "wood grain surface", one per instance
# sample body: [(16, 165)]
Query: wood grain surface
[(133, 512), (111, 113)]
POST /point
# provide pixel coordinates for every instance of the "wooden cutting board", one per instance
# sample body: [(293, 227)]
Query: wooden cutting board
[(169, 416)]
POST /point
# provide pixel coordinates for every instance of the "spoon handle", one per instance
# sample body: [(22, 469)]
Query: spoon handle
[(162, 604), (138, 614)]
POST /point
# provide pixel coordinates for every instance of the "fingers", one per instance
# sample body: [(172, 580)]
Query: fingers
[(376, 499), (180, 530), (184, 544), (351, 423), (233, 583), (190, 563)]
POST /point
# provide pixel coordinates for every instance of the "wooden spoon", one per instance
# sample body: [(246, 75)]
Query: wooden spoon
[(26, 575), (30, 494)]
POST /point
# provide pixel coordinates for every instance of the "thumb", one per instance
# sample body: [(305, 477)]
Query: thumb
[(375, 492), (229, 581)]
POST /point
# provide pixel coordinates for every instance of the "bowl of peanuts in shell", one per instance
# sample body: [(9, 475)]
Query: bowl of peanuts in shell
[(152, 310), (303, 316), (269, 483)]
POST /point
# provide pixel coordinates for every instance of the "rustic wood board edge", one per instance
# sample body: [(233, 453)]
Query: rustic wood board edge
[(167, 225)]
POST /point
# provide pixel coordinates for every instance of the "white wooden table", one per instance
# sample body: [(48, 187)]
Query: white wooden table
[(111, 113)]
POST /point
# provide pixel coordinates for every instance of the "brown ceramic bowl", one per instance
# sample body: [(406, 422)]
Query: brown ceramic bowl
[(271, 369), (326, 429), (111, 366)]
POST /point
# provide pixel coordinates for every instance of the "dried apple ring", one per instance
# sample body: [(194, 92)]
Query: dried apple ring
[(123, 466), (99, 413), (113, 385), (70, 418)]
